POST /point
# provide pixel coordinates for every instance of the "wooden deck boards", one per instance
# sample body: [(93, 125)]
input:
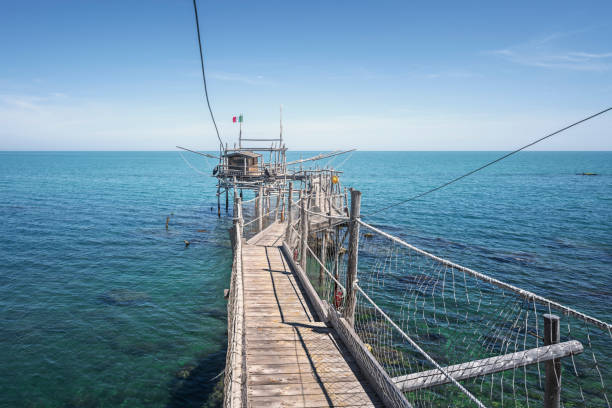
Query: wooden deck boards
[(291, 359)]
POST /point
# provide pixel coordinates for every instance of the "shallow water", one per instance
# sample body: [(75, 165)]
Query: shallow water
[(102, 306)]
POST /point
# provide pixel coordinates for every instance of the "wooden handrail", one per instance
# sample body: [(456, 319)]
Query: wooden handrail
[(478, 368)]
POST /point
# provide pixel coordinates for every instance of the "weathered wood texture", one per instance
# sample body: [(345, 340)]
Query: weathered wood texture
[(478, 368), (292, 360), (234, 385)]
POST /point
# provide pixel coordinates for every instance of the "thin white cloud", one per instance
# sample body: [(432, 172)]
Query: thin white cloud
[(546, 52)]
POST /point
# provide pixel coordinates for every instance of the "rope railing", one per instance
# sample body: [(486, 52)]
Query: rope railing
[(233, 393), (522, 292), (462, 317)]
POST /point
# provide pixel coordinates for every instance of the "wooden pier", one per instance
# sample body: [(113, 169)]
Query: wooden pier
[(292, 329), (291, 358)]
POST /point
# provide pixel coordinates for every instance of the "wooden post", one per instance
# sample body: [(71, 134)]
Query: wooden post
[(219, 201), (304, 232), (277, 204), (336, 261), (226, 200), (260, 209), (289, 216), (238, 221), (552, 389), (353, 249), (345, 200), (320, 192), (323, 256), (282, 214)]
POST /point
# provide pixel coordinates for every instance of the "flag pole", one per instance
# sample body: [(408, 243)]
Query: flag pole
[(240, 134)]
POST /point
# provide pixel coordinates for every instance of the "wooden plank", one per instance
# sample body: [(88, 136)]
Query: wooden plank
[(297, 368), (328, 341), (307, 388), (309, 290), (303, 377), (272, 333), (298, 350), (311, 401), (299, 359), (477, 368)]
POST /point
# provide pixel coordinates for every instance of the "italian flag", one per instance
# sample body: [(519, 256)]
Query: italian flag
[(237, 119)]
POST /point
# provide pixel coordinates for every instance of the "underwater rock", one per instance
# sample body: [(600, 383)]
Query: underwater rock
[(124, 297), (185, 372)]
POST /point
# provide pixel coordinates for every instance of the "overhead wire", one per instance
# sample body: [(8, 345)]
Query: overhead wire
[(486, 165), (195, 9)]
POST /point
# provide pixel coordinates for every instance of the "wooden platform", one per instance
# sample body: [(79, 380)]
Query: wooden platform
[(291, 359)]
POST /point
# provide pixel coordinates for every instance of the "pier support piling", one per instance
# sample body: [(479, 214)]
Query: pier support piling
[(219, 202)]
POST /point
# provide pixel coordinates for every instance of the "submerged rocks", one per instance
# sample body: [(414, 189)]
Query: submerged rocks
[(124, 297), (185, 372)]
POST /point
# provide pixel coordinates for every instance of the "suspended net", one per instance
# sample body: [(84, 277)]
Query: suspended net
[(425, 320)]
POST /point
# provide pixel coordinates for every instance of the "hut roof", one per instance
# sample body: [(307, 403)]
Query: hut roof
[(243, 153)]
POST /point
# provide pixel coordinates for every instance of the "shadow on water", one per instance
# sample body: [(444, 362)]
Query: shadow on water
[(193, 385)]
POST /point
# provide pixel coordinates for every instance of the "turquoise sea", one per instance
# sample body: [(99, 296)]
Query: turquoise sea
[(102, 306)]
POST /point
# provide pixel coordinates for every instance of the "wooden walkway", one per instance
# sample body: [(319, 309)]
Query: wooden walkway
[(291, 359)]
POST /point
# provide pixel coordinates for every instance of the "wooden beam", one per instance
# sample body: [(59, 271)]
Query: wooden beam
[(477, 368)]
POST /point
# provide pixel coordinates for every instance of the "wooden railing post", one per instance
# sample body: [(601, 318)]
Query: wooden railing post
[(323, 257), (238, 219), (304, 231), (289, 215), (259, 213), (552, 389), (353, 249), (278, 197)]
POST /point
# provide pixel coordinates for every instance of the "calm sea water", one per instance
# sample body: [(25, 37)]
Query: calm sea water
[(102, 306)]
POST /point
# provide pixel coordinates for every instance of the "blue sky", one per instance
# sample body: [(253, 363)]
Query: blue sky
[(385, 75)]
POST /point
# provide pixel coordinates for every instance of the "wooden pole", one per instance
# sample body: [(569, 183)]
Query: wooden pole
[(277, 204), (353, 249), (226, 200), (552, 389), (336, 260), (238, 220), (345, 200), (219, 202), (304, 232), (260, 213), (289, 216), (323, 256), (282, 214)]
